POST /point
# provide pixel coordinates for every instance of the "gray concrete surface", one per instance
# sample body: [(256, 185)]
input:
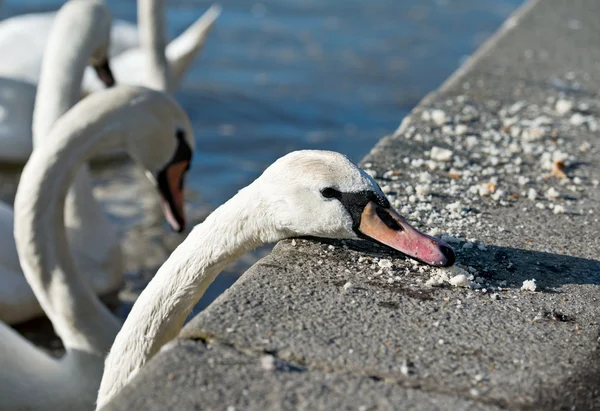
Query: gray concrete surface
[(328, 325)]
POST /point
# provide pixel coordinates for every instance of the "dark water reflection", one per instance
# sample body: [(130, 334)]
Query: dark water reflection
[(282, 75)]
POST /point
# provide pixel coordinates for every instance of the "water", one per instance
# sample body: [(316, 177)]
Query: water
[(283, 75)]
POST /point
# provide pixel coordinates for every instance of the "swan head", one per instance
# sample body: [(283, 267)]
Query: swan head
[(323, 194), (95, 16), (161, 139)]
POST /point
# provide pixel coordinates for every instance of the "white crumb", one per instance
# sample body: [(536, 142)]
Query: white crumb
[(293, 243), (438, 117), (347, 286), (454, 275), (558, 209), (460, 129), (529, 285), (577, 119), (267, 362), (440, 154), (563, 106), (552, 193), (460, 280), (384, 263)]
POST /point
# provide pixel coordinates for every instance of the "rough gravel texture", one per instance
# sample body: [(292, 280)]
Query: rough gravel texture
[(519, 198)]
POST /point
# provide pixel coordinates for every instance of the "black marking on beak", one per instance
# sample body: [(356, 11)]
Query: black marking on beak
[(104, 73), (388, 219), (183, 153)]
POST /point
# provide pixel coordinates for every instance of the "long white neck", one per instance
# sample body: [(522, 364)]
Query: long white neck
[(151, 29), (73, 39), (233, 229), (78, 317)]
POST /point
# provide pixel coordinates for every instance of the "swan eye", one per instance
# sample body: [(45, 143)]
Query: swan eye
[(330, 192)]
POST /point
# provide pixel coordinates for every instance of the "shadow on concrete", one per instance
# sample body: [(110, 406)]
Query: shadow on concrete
[(512, 265)]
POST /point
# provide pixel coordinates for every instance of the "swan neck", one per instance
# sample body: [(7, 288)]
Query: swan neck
[(65, 58), (160, 312), (151, 26), (78, 317)]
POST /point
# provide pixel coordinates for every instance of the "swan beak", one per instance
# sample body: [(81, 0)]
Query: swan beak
[(105, 73), (386, 226), (170, 184)]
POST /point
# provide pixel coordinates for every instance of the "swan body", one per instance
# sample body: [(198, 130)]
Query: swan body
[(125, 117), (93, 239), (316, 193)]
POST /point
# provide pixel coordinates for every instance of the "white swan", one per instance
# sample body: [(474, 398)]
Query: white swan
[(156, 132), (316, 193), (79, 36), (130, 67), (24, 38)]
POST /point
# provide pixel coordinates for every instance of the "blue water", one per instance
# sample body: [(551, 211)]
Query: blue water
[(283, 75)]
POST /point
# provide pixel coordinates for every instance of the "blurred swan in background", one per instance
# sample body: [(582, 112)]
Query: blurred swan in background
[(24, 38), (157, 134), (80, 36)]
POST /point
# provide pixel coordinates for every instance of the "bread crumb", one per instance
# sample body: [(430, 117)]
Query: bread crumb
[(529, 285), (460, 280), (440, 154), (563, 106), (267, 362), (438, 117), (552, 193), (384, 263)]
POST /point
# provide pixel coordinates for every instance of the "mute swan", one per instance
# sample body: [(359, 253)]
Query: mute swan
[(24, 38), (316, 193), (138, 120), (130, 66), (80, 35)]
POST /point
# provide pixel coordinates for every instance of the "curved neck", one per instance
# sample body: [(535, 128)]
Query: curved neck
[(73, 39), (78, 317), (233, 229), (151, 29)]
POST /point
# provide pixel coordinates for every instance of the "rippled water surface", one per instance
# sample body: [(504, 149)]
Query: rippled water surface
[(283, 75)]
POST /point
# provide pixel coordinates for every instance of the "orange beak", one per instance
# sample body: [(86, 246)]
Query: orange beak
[(171, 188), (386, 226)]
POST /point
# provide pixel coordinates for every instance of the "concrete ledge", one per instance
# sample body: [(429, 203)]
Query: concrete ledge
[(346, 330)]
